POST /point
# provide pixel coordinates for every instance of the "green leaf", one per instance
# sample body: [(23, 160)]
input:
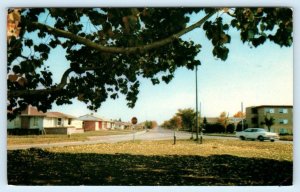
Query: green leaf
[(28, 42)]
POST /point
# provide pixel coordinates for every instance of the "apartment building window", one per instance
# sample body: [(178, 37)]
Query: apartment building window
[(283, 110), (254, 111), (269, 110), (283, 121), (59, 121), (254, 120), (283, 131)]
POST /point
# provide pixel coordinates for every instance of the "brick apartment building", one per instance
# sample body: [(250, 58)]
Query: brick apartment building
[(283, 115)]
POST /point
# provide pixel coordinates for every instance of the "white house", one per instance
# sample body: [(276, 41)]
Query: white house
[(92, 122), (49, 123), (122, 125)]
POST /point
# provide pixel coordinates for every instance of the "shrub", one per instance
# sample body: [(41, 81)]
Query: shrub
[(22, 131), (230, 128), (214, 128)]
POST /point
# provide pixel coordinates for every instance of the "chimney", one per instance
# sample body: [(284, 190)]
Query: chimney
[(29, 109)]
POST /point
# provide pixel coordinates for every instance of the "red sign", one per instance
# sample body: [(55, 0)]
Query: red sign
[(134, 120)]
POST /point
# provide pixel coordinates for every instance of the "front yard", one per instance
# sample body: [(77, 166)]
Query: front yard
[(41, 139), (155, 163)]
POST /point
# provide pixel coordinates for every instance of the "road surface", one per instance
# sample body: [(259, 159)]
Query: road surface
[(153, 134)]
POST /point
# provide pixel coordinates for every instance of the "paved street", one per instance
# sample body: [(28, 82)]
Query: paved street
[(153, 134)]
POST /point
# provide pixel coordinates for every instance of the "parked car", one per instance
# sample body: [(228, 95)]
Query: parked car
[(257, 133)]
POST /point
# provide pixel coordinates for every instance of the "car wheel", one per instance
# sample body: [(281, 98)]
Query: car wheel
[(260, 138), (272, 140), (242, 137)]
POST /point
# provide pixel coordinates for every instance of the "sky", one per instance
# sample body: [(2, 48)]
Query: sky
[(254, 76)]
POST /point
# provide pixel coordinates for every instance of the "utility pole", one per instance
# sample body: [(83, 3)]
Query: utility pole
[(242, 109), (197, 127), (201, 131)]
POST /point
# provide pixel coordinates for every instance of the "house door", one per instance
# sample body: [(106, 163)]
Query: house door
[(25, 122), (99, 124)]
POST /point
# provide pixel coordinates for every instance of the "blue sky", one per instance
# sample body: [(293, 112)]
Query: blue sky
[(254, 76)]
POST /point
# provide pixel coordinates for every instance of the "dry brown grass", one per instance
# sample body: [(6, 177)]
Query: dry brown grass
[(42, 139), (157, 163), (253, 149)]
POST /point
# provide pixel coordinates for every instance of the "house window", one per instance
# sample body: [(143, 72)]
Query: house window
[(283, 110), (254, 110), (254, 120), (69, 121), (59, 121), (17, 122), (269, 110), (35, 121), (283, 121)]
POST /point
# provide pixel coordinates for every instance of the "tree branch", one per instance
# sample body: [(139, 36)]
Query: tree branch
[(127, 50), (100, 48), (59, 87)]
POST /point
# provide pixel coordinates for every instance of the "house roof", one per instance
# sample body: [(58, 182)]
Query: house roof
[(263, 106), (122, 123), (210, 119), (58, 115), (92, 117), (32, 111)]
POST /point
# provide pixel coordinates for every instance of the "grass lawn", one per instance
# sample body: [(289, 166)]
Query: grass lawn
[(38, 139), (155, 163)]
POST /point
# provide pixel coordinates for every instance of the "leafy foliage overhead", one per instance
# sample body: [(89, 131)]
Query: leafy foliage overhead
[(109, 48)]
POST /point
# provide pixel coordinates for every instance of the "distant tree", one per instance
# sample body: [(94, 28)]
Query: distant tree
[(224, 120), (239, 114), (176, 122), (148, 124), (269, 122), (204, 120), (240, 126), (166, 124), (204, 123), (109, 49), (187, 118), (154, 124)]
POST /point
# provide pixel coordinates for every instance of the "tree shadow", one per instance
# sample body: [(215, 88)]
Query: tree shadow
[(40, 167)]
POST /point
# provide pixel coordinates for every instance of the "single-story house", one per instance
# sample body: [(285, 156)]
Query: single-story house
[(48, 123), (92, 122), (122, 125)]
